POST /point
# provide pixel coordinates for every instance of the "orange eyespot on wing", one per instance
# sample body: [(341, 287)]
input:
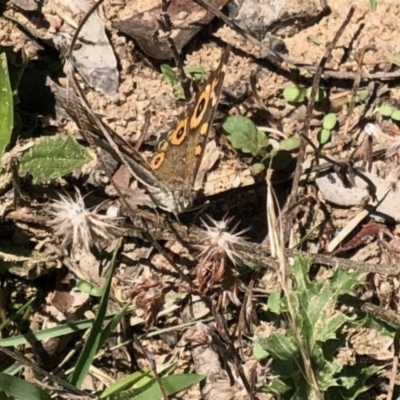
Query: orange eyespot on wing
[(157, 160), (179, 134), (200, 108)]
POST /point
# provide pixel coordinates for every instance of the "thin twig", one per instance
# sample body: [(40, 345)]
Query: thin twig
[(304, 133), (356, 85)]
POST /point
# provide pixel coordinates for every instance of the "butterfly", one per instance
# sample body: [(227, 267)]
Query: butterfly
[(170, 174)]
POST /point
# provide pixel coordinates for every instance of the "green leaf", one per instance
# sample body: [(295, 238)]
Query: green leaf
[(6, 106), (373, 4), (258, 352), (172, 384), (362, 95), (53, 158), (169, 74), (293, 94), (20, 389), (274, 303), (324, 136), (329, 121), (179, 93), (396, 115), (87, 287), (243, 135), (95, 336), (257, 168), (196, 72), (320, 95), (385, 110), (137, 380), (290, 144)]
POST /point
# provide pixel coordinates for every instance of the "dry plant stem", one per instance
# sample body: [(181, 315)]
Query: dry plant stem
[(276, 237), (356, 85), (144, 130), (353, 223), (163, 228), (395, 364), (304, 133)]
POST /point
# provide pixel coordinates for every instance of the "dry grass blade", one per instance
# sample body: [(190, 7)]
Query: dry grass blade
[(277, 248)]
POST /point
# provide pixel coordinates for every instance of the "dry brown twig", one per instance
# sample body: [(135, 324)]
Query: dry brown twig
[(305, 131)]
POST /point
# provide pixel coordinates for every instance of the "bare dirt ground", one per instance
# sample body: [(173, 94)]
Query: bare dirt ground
[(143, 89)]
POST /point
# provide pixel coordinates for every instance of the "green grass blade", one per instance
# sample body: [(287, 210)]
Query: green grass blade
[(112, 325), (172, 384), (6, 106), (20, 389), (92, 344)]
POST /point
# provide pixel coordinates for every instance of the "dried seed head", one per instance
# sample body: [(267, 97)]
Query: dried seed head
[(77, 225), (219, 241)]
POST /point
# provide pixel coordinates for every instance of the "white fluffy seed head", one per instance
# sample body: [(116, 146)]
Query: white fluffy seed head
[(79, 226), (219, 240)]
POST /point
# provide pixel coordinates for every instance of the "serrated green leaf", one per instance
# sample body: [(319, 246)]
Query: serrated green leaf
[(243, 135), (385, 110), (290, 144), (277, 387), (293, 94), (6, 106), (329, 121), (274, 302), (396, 115), (324, 136), (53, 158), (169, 74), (331, 326), (343, 282), (258, 352)]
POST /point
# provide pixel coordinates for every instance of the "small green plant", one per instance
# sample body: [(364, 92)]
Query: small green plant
[(171, 78), (52, 158), (388, 111), (328, 123), (373, 4), (243, 134), (294, 94), (316, 331)]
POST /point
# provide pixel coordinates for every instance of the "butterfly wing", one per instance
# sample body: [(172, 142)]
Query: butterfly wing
[(179, 156)]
